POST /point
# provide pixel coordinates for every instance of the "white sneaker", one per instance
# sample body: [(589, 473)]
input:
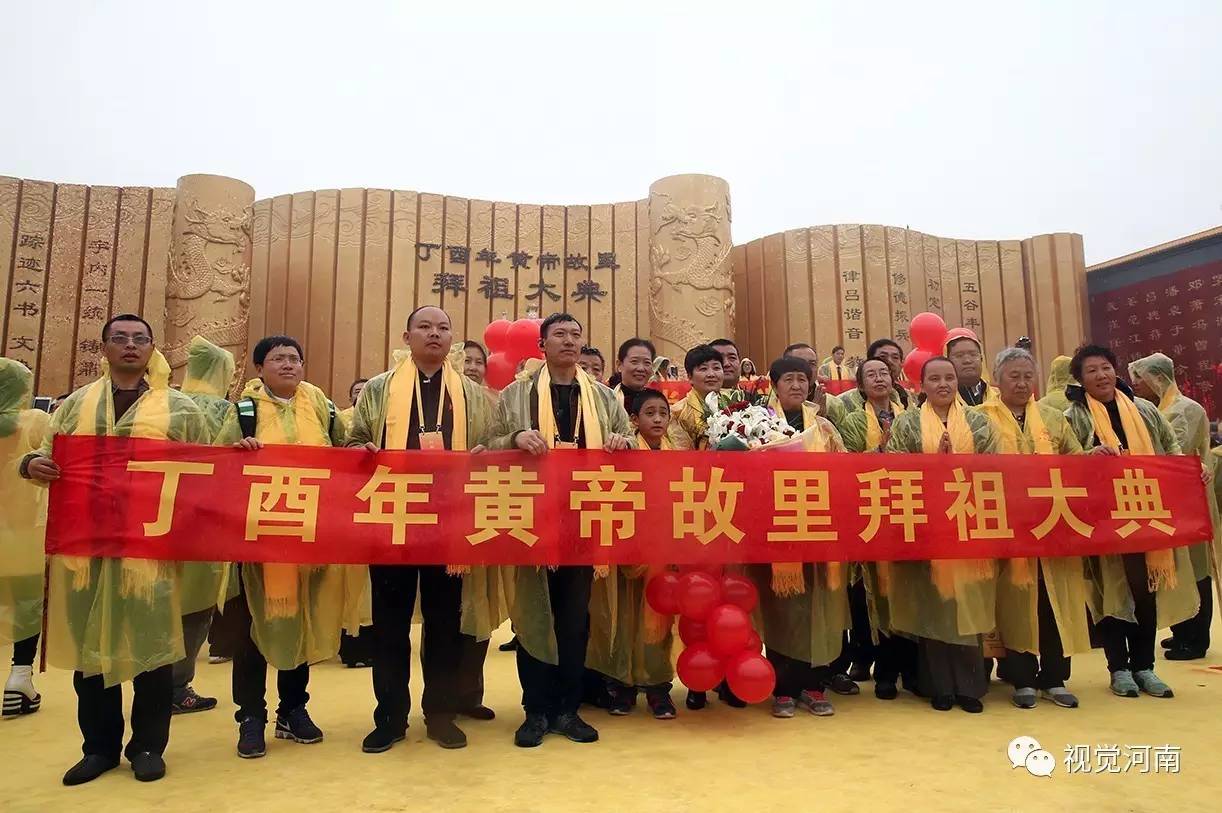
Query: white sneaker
[(20, 696)]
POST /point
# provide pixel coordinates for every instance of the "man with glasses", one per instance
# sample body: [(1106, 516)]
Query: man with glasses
[(115, 620), (967, 355)]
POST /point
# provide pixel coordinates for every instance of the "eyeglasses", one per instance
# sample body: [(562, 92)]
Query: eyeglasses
[(120, 339), (283, 360)]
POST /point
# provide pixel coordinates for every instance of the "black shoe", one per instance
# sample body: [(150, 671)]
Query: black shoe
[(620, 703), (358, 664), (696, 700), (729, 698), (943, 702), (445, 733), (1183, 653), (969, 704), (660, 706), (1168, 643), (381, 740), (479, 713), (859, 672), (187, 701), (147, 766), (530, 734), (573, 727), (16, 703), (251, 744), (510, 645), (297, 726), (841, 684), (88, 769), (885, 691)]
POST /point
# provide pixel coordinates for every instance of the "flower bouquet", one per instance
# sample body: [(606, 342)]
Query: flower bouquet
[(737, 423)]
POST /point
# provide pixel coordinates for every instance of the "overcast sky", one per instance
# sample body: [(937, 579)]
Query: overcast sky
[(980, 120)]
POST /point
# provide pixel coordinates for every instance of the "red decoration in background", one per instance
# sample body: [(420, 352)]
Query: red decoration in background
[(751, 677), (914, 362), (500, 371), (692, 631), (739, 591), (698, 594), (496, 336), (729, 630), (698, 668), (662, 592), (928, 332)]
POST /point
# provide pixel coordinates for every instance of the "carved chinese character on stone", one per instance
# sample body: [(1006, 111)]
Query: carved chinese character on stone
[(459, 254), (488, 256), (453, 283), (425, 250), (26, 308), (26, 286), (519, 259), (537, 290), (21, 343), (495, 287), (588, 289), (34, 241), (549, 262), (852, 314), (99, 246), (576, 262), (29, 263), (606, 259)]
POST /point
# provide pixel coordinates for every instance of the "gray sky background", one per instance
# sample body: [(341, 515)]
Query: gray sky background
[(973, 120)]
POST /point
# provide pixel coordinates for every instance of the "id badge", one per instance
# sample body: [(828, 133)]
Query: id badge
[(432, 442), (564, 444)]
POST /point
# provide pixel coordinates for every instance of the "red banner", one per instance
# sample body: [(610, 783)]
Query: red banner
[(159, 500)]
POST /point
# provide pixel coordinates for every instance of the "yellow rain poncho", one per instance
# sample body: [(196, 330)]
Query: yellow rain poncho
[(485, 589), (804, 607), (209, 374), (1058, 379), (1044, 431), (630, 642), (1176, 592), (947, 600), (1190, 424), (296, 610), (601, 415), (23, 520), (119, 617)]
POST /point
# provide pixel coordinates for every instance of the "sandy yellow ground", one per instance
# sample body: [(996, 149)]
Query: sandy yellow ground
[(871, 756)]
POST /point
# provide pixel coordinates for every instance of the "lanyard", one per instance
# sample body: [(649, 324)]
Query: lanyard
[(441, 401)]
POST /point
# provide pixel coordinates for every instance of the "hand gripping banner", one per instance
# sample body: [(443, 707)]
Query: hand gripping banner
[(121, 497)]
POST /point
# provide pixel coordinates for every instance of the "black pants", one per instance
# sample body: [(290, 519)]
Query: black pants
[(1194, 633), (555, 690), (1048, 670), (354, 649), (227, 630), (99, 712), (469, 692), (952, 669), (394, 598), (794, 676), (895, 657), (25, 650), (250, 671), (1127, 645)]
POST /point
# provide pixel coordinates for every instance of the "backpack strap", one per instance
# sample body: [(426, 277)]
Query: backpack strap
[(247, 415)]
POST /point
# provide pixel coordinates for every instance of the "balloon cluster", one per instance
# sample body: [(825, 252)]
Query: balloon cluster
[(509, 343), (720, 642), (928, 334)]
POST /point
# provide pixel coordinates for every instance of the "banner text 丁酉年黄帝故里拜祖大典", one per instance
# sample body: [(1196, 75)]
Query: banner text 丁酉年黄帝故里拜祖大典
[(121, 497)]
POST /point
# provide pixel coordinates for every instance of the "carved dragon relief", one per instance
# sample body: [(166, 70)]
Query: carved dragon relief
[(206, 269), (696, 259)]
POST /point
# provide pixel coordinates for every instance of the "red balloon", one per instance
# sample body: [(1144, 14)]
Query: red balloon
[(662, 592), (692, 632), (928, 332), (522, 340), (754, 643), (496, 336), (914, 362), (698, 594), (713, 570), (699, 669), (751, 677), (729, 630), (739, 591), (500, 371)]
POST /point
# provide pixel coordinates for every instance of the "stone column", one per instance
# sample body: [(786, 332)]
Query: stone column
[(208, 280), (691, 287)]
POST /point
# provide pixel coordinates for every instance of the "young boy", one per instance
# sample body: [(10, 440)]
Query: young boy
[(636, 656)]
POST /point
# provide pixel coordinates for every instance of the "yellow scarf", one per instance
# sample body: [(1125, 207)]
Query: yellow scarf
[(1168, 397), (874, 429), (946, 572), (308, 428), (787, 577), (1160, 564), (586, 404), (399, 402), (149, 418), (1031, 438), (643, 445)]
